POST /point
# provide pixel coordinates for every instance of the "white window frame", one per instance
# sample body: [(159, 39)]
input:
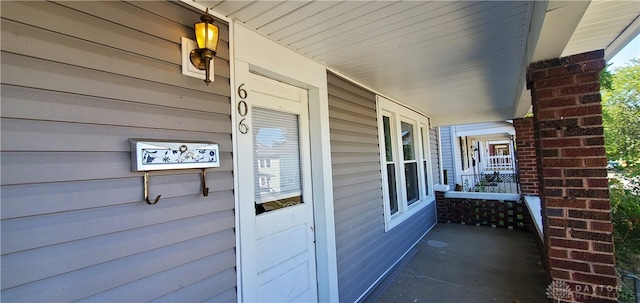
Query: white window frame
[(429, 193), (398, 114)]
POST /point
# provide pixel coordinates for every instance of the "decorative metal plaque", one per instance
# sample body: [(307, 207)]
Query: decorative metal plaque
[(150, 154)]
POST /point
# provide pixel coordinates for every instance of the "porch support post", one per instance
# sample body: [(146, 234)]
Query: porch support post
[(526, 155), (572, 175)]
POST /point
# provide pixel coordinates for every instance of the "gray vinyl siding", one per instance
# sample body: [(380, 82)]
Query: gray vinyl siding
[(78, 80), (364, 250), (435, 158), (447, 154)]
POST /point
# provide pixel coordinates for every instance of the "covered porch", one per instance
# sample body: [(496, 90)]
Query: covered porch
[(462, 263)]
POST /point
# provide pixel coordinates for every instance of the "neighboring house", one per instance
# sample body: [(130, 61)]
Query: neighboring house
[(316, 110), (471, 152)]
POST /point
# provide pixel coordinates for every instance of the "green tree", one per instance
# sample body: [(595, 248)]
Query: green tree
[(621, 113)]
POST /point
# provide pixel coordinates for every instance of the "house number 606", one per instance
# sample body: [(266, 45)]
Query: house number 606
[(243, 109)]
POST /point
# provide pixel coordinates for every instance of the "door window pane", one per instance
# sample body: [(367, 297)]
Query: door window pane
[(277, 171)]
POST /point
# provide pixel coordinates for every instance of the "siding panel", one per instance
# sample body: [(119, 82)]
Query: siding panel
[(78, 80), (364, 250), (435, 159), (447, 154)]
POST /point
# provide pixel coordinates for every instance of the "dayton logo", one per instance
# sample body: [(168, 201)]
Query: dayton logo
[(558, 290)]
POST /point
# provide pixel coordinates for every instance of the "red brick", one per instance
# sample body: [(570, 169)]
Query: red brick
[(587, 77), (575, 244), (603, 247), (581, 111), (592, 236), (549, 153), (571, 265), (557, 232), (601, 226), (591, 98), (587, 56), (583, 152), (600, 204), (595, 279), (555, 82), (592, 257), (596, 162), (594, 141), (539, 74), (588, 214), (552, 172), (609, 270), (586, 172), (546, 114), (553, 182), (549, 133), (562, 162), (564, 202), (584, 131), (595, 183), (579, 89), (590, 193), (543, 94), (560, 274), (563, 142), (594, 65), (556, 222), (565, 70), (558, 253)]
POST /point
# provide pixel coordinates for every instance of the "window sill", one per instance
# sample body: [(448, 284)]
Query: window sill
[(398, 218)]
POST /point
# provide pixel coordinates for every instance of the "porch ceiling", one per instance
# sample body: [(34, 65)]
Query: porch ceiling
[(458, 61)]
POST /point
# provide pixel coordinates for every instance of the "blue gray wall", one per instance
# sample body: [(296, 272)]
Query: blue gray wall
[(78, 80), (364, 250)]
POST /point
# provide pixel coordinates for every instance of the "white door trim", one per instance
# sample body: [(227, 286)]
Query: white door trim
[(266, 57)]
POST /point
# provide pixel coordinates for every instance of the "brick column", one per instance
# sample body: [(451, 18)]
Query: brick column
[(526, 155), (441, 204), (572, 174)]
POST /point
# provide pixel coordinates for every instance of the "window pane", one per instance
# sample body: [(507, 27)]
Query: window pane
[(426, 178), (407, 141), (411, 178), (424, 143), (277, 171), (387, 138), (393, 194)]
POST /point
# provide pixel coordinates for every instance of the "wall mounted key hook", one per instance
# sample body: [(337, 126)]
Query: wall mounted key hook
[(205, 189), (146, 190)]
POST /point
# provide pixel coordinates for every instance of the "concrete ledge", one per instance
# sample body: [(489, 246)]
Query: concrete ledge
[(441, 187), (535, 209), (482, 196)]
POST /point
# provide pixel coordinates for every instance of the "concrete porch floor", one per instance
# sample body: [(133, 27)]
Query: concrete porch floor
[(461, 263)]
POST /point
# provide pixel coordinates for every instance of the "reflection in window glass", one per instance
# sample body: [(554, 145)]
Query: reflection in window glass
[(277, 173), (391, 168), (391, 183), (387, 139), (425, 147), (410, 165), (407, 141), (411, 177)]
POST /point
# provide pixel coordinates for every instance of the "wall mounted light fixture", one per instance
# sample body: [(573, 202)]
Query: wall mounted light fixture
[(201, 56)]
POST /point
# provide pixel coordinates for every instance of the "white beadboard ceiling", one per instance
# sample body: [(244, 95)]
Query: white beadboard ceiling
[(458, 61)]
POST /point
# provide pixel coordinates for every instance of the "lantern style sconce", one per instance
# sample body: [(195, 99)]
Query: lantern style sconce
[(201, 55)]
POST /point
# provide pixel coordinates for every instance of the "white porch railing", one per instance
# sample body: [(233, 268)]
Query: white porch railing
[(499, 163)]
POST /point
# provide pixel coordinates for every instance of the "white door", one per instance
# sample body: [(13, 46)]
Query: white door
[(277, 245)]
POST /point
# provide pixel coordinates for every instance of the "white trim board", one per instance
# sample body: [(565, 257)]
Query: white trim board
[(268, 58)]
